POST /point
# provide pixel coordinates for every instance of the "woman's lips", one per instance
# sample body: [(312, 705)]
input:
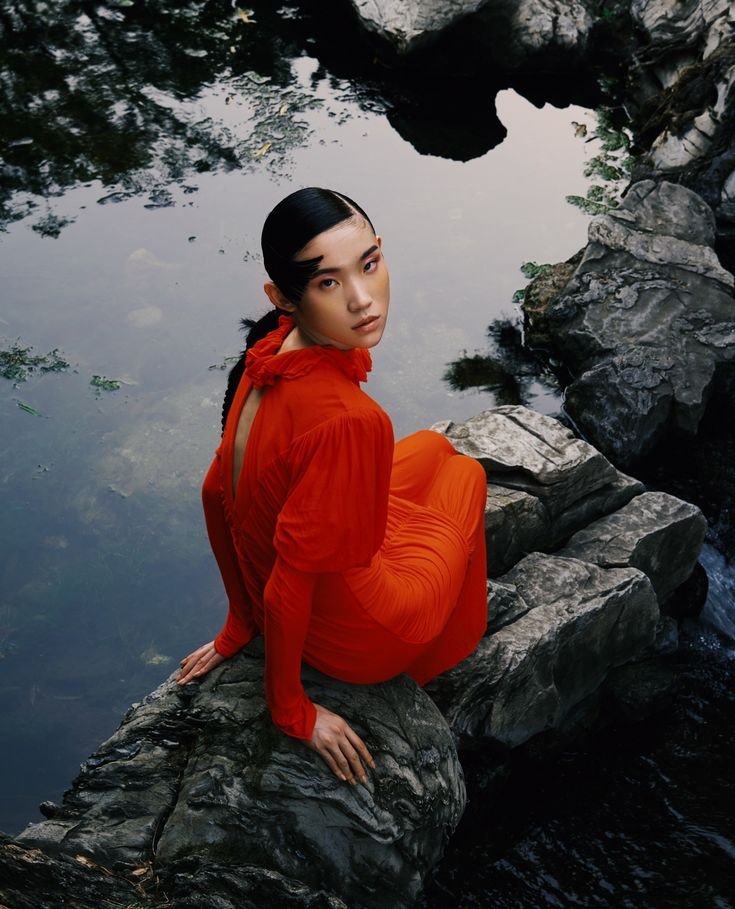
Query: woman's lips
[(366, 325)]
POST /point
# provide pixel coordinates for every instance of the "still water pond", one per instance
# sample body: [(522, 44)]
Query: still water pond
[(143, 151)]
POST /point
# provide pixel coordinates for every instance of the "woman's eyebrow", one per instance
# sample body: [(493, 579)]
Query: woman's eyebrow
[(323, 271)]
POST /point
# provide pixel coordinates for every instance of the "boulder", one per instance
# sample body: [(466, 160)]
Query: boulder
[(656, 532), (544, 482), (646, 324), (196, 780), (33, 879), (513, 32), (562, 625)]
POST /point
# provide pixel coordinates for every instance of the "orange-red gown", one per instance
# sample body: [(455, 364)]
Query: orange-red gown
[(363, 558)]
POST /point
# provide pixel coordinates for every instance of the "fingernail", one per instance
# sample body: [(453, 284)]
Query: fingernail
[(363, 779), (342, 776)]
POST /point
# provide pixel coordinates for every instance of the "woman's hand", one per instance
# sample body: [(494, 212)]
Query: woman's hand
[(199, 663), (340, 746)]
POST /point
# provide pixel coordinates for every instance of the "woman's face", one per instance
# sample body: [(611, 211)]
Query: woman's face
[(345, 304)]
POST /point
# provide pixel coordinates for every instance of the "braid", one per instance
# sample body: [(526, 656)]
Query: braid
[(256, 329)]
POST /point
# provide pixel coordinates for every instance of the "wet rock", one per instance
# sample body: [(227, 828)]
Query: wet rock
[(655, 532), (646, 323), (666, 639), (31, 879), (689, 598), (196, 779), (544, 482), (570, 624), (193, 884), (639, 689), (691, 23), (512, 32)]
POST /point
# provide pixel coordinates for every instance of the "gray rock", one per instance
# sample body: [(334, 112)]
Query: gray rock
[(646, 322), (512, 31), (201, 776), (636, 690), (655, 532), (545, 483), (32, 879), (685, 23), (571, 623)]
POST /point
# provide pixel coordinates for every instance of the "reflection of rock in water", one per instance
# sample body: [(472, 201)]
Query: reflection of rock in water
[(508, 372)]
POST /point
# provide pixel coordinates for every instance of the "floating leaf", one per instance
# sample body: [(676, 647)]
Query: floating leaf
[(282, 109), (228, 361), (263, 149), (28, 409), (151, 657)]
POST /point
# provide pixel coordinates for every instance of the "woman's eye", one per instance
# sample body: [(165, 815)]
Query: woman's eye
[(326, 282), (370, 263)]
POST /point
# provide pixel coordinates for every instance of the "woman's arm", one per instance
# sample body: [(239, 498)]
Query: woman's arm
[(288, 602), (239, 627)]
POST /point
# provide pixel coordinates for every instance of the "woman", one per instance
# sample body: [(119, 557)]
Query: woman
[(364, 558)]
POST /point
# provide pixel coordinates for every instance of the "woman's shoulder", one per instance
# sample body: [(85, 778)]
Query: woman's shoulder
[(358, 424)]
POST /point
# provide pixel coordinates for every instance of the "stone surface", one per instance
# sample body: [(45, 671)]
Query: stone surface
[(201, 776), (567, 623), (656, 532), (686, 22), (544, 482), (512, 31), (32, 879), (646, 324)]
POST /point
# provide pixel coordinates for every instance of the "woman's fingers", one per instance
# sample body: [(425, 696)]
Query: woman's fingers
[(348, 761), (199, 663), (340, 746), (361, 747)]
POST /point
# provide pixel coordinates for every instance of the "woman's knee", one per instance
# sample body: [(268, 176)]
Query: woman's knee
[(427, 441)]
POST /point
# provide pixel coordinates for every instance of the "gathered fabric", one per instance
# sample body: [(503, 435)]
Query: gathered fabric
[(362, 557)]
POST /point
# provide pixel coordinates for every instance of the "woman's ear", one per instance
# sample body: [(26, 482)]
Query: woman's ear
[(277, 298)]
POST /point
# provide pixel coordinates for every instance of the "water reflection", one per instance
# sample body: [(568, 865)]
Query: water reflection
[(116, 92), (106, 576), (511, 372)]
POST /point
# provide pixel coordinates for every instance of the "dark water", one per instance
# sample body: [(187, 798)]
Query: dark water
[(142, 146)]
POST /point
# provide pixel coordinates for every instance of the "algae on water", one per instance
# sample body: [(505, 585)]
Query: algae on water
[(102, 383), (17, 363)]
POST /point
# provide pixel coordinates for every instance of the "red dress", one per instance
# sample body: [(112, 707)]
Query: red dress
[(364, 558)]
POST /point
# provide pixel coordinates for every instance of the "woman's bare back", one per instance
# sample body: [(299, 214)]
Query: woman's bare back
[(247, 414)]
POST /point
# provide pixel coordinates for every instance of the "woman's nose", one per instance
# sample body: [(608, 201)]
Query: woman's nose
[(360, 296)]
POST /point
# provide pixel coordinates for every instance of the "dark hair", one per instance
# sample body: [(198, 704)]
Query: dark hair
[(289, 227)]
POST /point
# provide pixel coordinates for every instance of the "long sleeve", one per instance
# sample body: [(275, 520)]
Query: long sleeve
[(333, 519), (239, 627), (287, 603)]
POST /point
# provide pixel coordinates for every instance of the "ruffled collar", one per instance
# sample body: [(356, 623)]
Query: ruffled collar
[(264, 364)]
